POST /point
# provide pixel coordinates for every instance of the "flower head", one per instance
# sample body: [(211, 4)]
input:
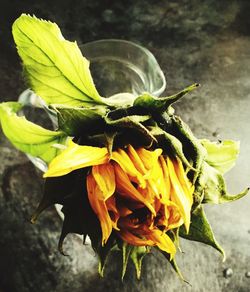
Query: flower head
[(139, 194)]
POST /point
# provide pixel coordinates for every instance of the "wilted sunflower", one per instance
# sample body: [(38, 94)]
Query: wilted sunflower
[(130, 175), (140, 194)]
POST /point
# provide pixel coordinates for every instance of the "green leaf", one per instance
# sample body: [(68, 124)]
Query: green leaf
[(201, 231), (221, 155), (55, 67), (28, 137), (211, 186), (137, 255), (75, 121), (160, 104)]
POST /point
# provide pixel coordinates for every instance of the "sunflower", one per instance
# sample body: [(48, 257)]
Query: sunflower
[(139, 194)]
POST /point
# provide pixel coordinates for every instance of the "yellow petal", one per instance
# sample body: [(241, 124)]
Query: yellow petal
[(122, 158), (126, 188), (104, 176), (76, 157), (135, 158), (99, 207), (179, 195), (163, 241), (149, 158), (185, 183), (166, 178)]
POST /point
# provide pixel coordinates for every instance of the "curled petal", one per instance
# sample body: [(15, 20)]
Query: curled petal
[(181, 198), (149, 158), (113, 211), (163, 241), (76, 157), (104, 176), (99, 207), (166, 181), (135, 158), (134, 240), (126, 188), (185, 183), (122, 158)]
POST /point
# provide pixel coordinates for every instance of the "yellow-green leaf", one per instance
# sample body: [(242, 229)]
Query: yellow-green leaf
[(55, 67), (26, 136), (211, 186), (221, 155)]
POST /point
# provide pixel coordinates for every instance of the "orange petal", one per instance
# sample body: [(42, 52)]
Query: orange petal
[(113, 211), (99, 207), (134, 240), (76, 157), (104, 176), (126, 188)]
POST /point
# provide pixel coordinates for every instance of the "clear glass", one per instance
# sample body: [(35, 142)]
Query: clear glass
[(120, 69), (119, 66)]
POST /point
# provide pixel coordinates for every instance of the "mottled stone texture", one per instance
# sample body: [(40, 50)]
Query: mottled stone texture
[(194, 41)]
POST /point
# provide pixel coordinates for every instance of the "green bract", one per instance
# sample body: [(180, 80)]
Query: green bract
[(59, 74)]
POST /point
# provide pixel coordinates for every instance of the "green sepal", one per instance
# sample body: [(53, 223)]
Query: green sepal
[(169, 142), (161, 104), (137, 255), (221, 155), (201, 231), (210, 185), (75, 121), (133, 122), (54, 67), (126, 252), (104, 251), (27, 136), (55, 190), (173, 264), (192, 147)]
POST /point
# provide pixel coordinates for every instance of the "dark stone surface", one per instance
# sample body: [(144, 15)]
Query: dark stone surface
[(194, 41)]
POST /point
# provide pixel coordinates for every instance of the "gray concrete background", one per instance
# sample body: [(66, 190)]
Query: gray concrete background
[(194, 41)]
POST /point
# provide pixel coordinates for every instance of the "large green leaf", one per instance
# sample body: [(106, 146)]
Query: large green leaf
[(26, 136), (55, 67), (200, 230), (160, 104), (222, 154)]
